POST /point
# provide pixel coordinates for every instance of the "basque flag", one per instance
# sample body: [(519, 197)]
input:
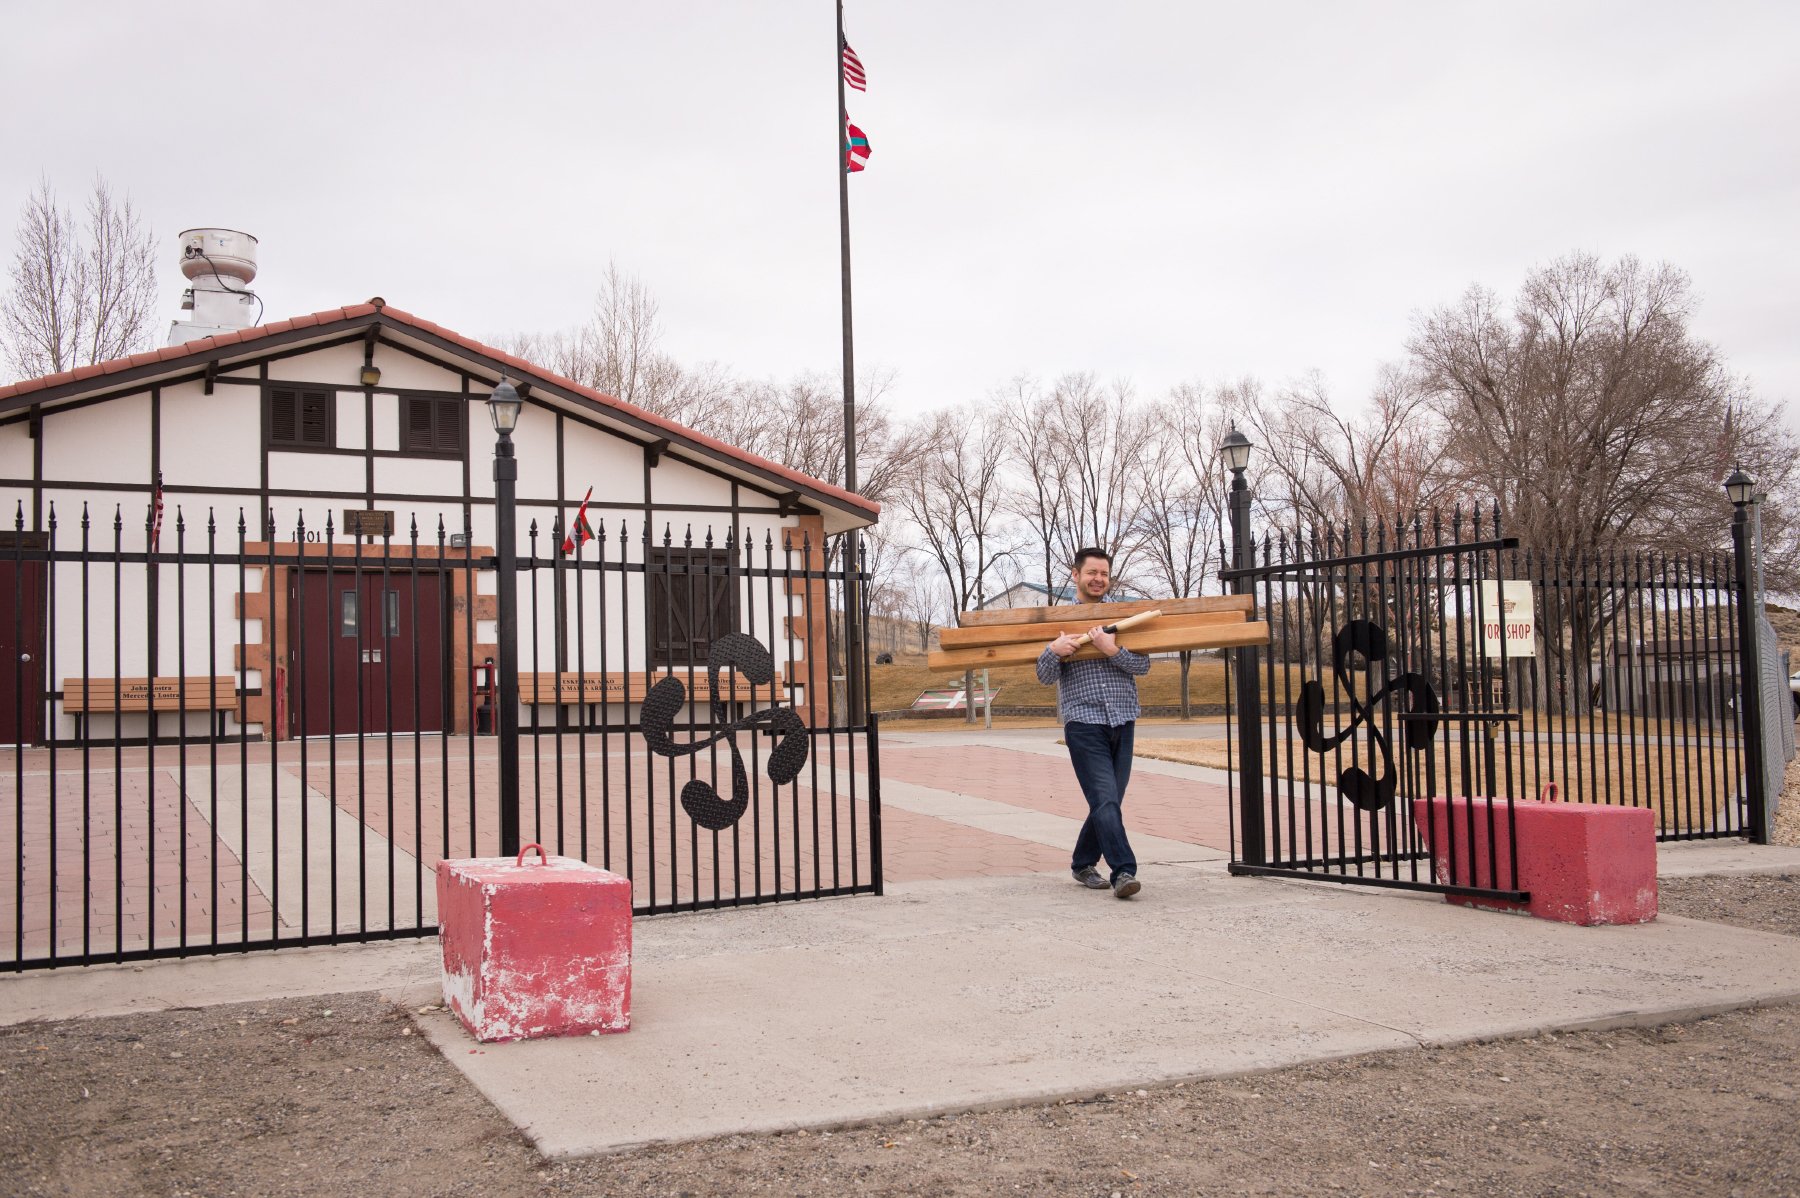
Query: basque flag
[(580, 531), (856, 147), (853, 70)]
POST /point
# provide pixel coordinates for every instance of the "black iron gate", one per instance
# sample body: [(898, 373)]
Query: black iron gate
[(1425, 676), (225, 736)]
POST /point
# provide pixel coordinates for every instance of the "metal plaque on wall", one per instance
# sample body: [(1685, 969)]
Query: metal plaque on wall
[(361, 523)]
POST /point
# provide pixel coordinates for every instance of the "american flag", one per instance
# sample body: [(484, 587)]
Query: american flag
[(856, 146), (156, 508), (853, 70)]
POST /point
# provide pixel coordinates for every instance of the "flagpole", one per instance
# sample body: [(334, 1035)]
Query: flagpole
[(853, 638)]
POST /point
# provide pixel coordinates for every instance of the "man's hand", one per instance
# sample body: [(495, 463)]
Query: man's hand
[(1063, 645), (1103, 640)]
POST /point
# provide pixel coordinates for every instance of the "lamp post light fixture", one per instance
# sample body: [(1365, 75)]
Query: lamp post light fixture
[(1742, 490), (1235, 449), (503, 408)]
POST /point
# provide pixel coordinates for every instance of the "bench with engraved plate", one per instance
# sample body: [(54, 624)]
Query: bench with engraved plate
[(1015, 636), (87, 697), (573, 687)]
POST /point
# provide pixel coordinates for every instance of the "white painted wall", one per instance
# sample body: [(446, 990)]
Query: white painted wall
[(613, 466), (676, 482), (316, 472), (340, 366), (101, 442), (16, 450), (352, 421), (196, 427), (403, 370)]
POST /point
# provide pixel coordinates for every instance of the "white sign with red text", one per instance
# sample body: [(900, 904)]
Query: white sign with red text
[(1508, 617)]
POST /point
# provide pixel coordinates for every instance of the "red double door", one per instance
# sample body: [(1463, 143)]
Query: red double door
[(366, 653)]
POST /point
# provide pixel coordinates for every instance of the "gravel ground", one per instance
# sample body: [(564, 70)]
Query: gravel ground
[(340, 1096)]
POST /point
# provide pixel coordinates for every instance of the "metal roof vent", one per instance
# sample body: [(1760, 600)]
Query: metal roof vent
[(219, 265)]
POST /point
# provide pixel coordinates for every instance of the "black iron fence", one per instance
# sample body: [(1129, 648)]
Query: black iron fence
[(1424, 677), (250, 738)]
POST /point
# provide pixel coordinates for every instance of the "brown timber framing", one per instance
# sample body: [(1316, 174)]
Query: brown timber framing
[(352, 330)]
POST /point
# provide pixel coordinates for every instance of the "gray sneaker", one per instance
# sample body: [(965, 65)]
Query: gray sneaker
[(1089, 877), (1126, 885)]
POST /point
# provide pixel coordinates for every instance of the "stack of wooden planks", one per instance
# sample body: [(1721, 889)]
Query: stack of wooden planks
[(1015, 636)]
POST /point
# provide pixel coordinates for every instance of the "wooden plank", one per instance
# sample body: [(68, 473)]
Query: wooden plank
[(1012, 634), (101, 695), (1105, 613), (1214, 636)]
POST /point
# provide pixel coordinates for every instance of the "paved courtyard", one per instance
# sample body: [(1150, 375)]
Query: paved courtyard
[(318, 838)]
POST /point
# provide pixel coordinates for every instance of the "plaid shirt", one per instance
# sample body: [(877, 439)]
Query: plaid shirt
[(1095, 692)]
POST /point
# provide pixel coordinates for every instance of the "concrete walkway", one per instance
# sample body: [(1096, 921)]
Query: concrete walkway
[(993, 990)]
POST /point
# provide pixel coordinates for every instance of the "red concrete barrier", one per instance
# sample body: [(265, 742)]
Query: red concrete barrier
[(1582, 863), (535, 950)]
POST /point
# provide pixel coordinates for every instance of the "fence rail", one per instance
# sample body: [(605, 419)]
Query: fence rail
[(1442, 659), (243, 740)]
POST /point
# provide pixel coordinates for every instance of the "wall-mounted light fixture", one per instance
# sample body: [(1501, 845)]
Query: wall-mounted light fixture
[(371, 373)]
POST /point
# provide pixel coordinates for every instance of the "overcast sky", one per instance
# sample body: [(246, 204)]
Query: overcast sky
[(1156, 191)]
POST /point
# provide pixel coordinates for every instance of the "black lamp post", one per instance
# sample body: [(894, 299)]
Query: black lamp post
[(1742, 490), (503, 407), (1235, 449)]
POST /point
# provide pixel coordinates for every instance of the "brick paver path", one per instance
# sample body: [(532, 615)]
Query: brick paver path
[(107, 875), (1156, 804)]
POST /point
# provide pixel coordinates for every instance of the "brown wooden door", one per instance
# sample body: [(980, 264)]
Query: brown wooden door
[(367, 653), (21, 651)]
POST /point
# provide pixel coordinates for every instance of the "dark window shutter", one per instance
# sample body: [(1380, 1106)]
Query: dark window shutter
[(315, 419), (449, 425), (418, 424), (283, 418)]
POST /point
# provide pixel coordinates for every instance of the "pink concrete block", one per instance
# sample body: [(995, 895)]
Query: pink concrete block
[(1583, 863), (534, 949)]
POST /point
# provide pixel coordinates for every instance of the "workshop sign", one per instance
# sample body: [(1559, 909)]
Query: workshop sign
[(1509, 618)]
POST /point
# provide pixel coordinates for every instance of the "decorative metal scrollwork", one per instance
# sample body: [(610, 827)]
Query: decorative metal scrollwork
[(1367, 792), (698, 798)]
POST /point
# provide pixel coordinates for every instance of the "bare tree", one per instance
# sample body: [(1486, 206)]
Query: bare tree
[(1040, 499), (1597, 421), (1381, 462), (1581, 409), (1178, 531), (77, 296)]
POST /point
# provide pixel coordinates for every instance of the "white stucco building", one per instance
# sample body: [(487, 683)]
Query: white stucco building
[(365, 409)]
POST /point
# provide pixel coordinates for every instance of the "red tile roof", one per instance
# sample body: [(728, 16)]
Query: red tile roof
[(208, 347)]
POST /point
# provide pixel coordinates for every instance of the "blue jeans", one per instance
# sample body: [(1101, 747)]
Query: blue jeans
[(1102, 759)]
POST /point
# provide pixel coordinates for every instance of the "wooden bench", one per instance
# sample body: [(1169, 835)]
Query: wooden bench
[(89, 697), (572, 688)]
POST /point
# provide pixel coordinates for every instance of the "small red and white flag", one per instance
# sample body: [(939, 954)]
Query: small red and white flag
[(853, 70), (156, 511), (856, 148), (580, 531)]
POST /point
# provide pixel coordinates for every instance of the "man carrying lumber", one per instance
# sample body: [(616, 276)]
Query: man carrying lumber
[(1097, 702)]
